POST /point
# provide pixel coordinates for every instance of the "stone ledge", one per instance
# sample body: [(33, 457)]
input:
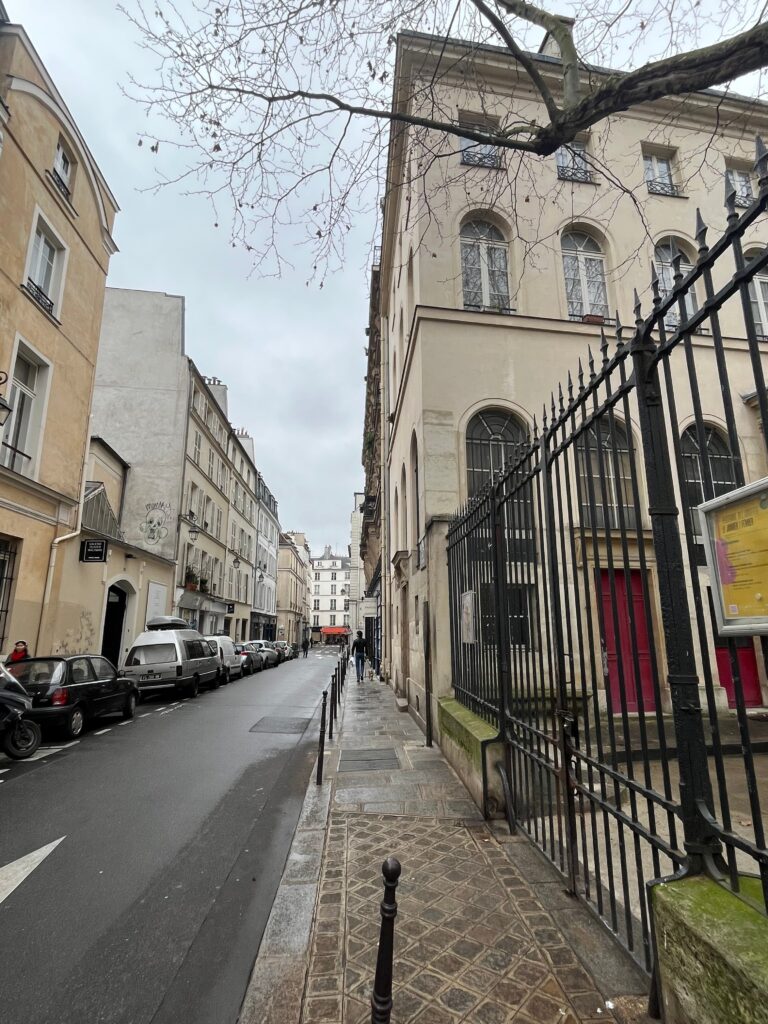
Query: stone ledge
[(462, 735), (711, 947)]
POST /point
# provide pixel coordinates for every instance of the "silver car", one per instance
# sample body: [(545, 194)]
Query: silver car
[(168, 657), (269, 654)]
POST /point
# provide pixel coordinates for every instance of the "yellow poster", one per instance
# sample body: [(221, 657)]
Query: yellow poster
[(739, 537)]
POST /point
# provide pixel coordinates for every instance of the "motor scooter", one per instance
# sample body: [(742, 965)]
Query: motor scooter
[(19, 736)]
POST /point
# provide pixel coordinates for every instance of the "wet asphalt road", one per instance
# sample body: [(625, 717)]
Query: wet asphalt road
[(176, 829)]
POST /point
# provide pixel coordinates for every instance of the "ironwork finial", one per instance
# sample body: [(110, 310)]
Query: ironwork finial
[(581, 376), (619, 332), (560, 398), (677, 258), (638, 308), (535, 428), (570, 387), (544, 416), (761, 161), (591, 362), (553, 408), (604, 346), (701, 232)]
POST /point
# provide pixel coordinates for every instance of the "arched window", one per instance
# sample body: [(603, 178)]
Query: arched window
[(494, 436), (716, 457), (664, 254), (403, 509), (604, 490), (484, 276), (396, 521), (584, 269), (758, 296), (416, 527)]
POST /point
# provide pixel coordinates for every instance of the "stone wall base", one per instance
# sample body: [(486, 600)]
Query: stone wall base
[(462, 735), (712, 951)]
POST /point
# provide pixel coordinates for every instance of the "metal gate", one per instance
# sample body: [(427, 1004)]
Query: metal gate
[(580, 613)]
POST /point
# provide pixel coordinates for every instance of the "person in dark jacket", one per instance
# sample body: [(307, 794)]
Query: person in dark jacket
[(359, 653), (20, 652), (305, 646)]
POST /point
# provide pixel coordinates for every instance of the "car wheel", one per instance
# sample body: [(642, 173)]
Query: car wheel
[(74, 723), (130, 706), (194, 687)]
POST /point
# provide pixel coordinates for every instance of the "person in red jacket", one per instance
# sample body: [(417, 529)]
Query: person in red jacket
[(20, 652)]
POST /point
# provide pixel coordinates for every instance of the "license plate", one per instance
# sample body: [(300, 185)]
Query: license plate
[(149, 675)]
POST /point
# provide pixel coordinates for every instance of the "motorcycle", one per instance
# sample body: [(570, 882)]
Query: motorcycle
[(19, 736)]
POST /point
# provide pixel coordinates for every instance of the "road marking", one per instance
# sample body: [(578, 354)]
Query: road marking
[(71, 743), (161, 709), (44, 752), (174, 708), (102, 731), (127, 722), (146, 714), (3, 770), (13, 874)]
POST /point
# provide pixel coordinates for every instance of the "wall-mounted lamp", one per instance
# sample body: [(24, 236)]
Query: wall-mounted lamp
[(5, 408), (236, 562), (194, 531)]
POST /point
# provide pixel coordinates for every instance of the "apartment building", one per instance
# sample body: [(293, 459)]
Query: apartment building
[(264, 613), (330, 597), (496, 275), (292, 621), (193, 487), (57, 214), (356, 568)]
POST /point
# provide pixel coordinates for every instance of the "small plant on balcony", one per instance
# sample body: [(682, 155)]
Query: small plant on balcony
[(191, 578), (203, 585)]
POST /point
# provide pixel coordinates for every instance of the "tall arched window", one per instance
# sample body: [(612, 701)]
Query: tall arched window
[(396, 521), (484, 274), (664, 254), (494, 436), (584, 269), (403, 510), (416, 526), (604, 490), (715, 455)]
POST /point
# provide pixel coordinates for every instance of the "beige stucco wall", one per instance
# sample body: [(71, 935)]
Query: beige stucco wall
[(40, 502)]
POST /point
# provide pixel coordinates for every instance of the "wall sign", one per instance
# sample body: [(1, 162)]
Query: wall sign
[(230, 609), (157, 598), (468, 617), (93, 550), (735, 531)]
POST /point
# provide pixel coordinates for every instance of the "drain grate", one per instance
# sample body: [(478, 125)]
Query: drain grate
[(377, 759), (280, 725)]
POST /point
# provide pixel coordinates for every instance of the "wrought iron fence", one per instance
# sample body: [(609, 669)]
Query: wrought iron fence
[(581, 613)]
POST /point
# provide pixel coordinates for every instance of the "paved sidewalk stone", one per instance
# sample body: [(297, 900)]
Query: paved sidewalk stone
[(473, 941)]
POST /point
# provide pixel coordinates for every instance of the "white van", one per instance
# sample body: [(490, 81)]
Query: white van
[(171, 656), (230, 661)]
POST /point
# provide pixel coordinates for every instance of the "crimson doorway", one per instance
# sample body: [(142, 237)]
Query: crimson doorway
[(627, 649)]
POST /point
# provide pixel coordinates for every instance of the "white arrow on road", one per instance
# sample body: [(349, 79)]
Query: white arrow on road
[(13, 874)]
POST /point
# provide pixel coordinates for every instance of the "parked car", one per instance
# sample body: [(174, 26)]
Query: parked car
[(229, 659), (278, 650), (70, 692), (251, 658), (269, 654), (171, 656), (285, 648)]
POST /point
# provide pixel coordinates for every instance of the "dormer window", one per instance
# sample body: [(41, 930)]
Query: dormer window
[(62, 170)]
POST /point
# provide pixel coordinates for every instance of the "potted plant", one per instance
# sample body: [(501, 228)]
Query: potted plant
[(203, 585), (191, 578)]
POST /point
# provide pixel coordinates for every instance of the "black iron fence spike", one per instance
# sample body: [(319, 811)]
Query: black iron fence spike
[(701, 232), (761, 162), (730, 197), (638, 308), (581, 376), (570, 387), (604, 346)]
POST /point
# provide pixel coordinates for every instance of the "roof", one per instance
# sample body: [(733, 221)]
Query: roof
[(3, 13)]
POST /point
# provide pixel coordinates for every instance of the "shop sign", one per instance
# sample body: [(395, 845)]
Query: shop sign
[(735, 533), (93, 551)]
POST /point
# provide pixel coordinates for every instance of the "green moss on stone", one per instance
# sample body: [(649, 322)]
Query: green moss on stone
[(465, 728)]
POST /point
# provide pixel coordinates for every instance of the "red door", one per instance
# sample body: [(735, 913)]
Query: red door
[(750, 681), (621, 639)]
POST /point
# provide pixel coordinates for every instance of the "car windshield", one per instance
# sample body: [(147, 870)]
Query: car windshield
[(151, 654), (240, 648), (43, 671)]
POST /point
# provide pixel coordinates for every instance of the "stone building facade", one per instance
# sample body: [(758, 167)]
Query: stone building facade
[(292, 605), (496, 274), (57, 214), (330, 597)]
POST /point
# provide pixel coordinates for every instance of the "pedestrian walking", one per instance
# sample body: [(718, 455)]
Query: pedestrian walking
[(305, 646), (359, 653), (20, 652)]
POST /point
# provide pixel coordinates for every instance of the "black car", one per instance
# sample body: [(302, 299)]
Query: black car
[(71, 691)]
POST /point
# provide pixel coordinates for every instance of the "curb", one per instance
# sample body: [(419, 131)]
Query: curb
[(275, 989)]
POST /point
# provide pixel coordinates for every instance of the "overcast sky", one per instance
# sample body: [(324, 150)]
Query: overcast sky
[(293, 356)]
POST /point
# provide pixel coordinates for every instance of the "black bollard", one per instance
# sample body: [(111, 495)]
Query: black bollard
[(322, 739), (381, 998), (330, 716)]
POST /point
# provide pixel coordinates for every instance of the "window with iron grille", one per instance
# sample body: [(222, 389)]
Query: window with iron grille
[(606, 495), (24, 426), (741, 182), (665, 253), (484, 270), (572, 163), (494, 436), (479, 154), (8, 558), (713, 460), (657, 169)]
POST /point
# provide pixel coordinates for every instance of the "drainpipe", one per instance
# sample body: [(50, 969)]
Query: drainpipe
[(58, 540)]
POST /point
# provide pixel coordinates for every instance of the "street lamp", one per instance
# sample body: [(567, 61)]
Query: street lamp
[(5, 409), (261, 577), (194, 531), (236, 562)]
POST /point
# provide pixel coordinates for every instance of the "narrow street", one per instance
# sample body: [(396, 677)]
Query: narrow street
[(173, 831)]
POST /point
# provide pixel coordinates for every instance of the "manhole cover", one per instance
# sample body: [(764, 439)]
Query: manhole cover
[(280, 725), (378, 759)]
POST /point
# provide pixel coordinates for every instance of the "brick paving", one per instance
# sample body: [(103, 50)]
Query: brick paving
[(473, 942)]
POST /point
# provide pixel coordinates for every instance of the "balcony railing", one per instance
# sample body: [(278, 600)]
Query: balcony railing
[(573, 172), (740, 199), (39, 296), (478, 308), (61, 184), (663, 187)]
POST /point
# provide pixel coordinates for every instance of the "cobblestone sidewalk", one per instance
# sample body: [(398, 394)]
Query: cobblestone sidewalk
[(473, 941)]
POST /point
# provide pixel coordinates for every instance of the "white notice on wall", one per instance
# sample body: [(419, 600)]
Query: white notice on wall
[(157, 598), (468, 617)]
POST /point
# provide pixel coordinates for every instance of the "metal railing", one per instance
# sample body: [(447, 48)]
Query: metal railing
[(39, 296), (60, 184), (573, 172), (596, 652), (663, 187)]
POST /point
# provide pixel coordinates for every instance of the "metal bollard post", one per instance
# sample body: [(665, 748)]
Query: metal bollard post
[(381, 998), (321, 752), (330, 716)]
